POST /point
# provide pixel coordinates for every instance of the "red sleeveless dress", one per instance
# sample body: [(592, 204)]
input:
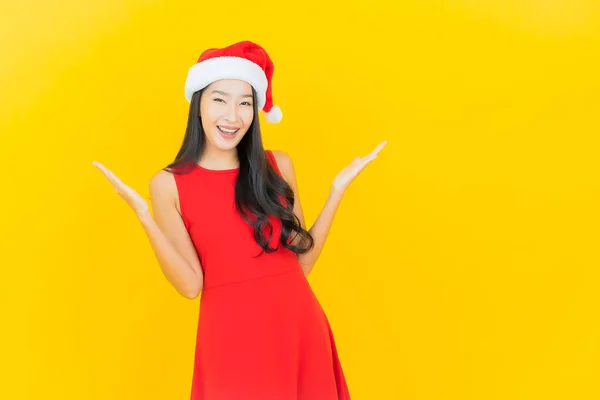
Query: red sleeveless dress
[(262, 334)]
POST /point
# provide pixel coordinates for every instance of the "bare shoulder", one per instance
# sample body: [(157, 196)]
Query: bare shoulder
[(162, 182), (284, 163), (163, 188)]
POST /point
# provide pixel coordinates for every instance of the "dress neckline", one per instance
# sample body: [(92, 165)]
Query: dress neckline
[(218, 171)]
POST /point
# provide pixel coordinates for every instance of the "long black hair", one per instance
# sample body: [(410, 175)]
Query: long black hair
[(259, 189)]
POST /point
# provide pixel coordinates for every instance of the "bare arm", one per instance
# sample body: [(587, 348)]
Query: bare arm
[(169, 238), (320, 229)]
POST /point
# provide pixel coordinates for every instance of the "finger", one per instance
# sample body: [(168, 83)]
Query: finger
[(379, 147), (353, 163), (116, 179), (108, 173), (101, 167), (376, 150), (112, 178), (364, 162), (355, 173), (370, 157)]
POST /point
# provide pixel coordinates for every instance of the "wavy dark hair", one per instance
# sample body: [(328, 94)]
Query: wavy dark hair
[(259, 189)]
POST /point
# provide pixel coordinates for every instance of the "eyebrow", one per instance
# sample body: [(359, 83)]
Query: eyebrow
[(227, 94)]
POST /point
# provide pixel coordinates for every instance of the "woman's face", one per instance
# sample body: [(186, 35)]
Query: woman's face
[(226, 110)]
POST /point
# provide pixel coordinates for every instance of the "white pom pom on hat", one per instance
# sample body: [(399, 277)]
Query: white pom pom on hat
[(243, 60), (274, 115)]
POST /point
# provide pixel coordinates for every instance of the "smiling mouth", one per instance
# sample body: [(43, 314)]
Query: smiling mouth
[(227, 131)]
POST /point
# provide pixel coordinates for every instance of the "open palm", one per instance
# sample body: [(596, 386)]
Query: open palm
[(347, 175), (133, 199)]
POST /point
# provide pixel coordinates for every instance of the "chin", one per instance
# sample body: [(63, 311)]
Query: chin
[(225, 143), (226, 147)]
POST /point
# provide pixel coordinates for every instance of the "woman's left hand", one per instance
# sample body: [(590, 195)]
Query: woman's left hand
[(347, 175)]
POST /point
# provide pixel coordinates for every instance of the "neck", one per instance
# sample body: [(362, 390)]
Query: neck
[(214, 158)]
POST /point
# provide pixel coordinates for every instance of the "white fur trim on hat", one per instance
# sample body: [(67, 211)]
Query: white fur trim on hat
[(208, 71), (274, 115)]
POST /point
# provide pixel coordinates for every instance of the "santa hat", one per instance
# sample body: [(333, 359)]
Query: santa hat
[(244, 60)]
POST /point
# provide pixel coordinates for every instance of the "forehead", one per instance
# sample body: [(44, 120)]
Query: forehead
[(231, 86)]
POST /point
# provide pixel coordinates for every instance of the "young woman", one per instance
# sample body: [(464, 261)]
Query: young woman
[(228, 224)]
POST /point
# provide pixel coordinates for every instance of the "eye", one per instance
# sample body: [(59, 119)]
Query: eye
[(219, 100), (246, 103)]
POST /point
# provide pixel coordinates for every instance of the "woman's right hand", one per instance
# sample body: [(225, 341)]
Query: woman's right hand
[(133, 199)]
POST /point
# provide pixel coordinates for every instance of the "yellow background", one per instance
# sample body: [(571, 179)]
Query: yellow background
[(463, 263)]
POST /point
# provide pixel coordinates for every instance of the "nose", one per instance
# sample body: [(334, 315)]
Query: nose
[(231, 114)]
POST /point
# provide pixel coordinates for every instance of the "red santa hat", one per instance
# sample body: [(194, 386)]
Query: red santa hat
[(244, 60)]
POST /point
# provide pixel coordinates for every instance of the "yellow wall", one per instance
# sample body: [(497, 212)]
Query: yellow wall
[(463, 263)]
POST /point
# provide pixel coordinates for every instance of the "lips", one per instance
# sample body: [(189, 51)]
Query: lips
[(227, 130)]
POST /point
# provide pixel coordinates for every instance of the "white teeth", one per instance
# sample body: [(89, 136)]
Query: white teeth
[(229, 131)]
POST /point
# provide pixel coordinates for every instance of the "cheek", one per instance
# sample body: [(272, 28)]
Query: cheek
[(205, 119), (246, 114), (209, 113)]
